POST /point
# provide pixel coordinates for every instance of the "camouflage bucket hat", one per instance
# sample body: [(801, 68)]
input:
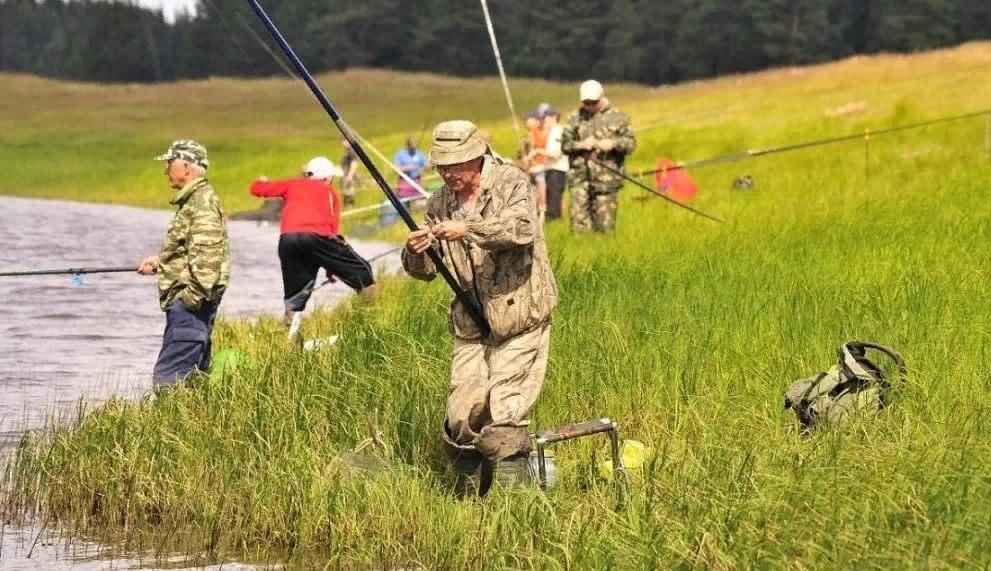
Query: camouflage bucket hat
[(186, 150), (456, 142)]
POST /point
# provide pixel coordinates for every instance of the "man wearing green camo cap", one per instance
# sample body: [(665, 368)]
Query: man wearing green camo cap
[(193, 265), (484, 222)]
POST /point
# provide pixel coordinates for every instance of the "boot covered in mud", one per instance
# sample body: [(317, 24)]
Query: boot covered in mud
[(507, 454), (471, 476)]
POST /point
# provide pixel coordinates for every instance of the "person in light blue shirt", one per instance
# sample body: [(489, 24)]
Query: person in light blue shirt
[(411, 161)]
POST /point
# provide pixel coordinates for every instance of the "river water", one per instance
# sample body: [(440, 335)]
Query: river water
[(63, 342)]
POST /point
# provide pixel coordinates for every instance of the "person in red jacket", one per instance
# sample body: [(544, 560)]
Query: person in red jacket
[(311, 239)]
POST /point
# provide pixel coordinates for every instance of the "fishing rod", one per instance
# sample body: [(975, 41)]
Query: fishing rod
[(806, 144), (502, 70), (69, 271), (470, 304), (652, 191)]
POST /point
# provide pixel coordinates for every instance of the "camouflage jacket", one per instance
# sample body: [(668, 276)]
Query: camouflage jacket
[(606, 124), (195, 258), (502, 261)]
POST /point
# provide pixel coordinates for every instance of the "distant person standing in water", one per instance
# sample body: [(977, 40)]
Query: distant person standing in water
[(193, 265), (311, 237)]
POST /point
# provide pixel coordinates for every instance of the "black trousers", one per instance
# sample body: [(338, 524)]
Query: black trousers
[(303, 254), (556, 181)]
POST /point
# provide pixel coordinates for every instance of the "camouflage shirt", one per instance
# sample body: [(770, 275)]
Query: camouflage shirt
[(502, 261), (195, 258), (606, 124)]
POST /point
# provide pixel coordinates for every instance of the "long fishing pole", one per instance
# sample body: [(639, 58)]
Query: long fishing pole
[(654, 192), (470, 304), (502, 70), (69, 271), (807, 144)]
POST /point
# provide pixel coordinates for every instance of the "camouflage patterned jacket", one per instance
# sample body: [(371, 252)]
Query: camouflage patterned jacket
[(195, 258), (502, 261), (606, 124)]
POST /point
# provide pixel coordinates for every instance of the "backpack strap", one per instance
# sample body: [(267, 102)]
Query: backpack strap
[(859, 349), (859, 370)]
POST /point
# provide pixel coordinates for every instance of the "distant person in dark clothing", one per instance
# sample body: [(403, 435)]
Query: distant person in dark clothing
[(310, 235), (349, 166)]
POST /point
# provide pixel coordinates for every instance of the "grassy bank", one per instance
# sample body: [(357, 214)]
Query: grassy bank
[(685, 331)]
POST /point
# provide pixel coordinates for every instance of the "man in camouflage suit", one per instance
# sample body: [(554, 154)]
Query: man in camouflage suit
[(484, 224), (193, 266), (596, 135)]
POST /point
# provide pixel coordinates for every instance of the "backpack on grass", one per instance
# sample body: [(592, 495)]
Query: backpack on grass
[(854, 385)]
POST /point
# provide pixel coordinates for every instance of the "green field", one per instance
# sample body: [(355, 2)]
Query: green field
[(685, 331)]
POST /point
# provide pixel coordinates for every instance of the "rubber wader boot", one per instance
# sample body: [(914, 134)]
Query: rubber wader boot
[(507, 453), (471, 478)]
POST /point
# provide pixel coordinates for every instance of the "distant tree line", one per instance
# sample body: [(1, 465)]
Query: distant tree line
[(647, 41)]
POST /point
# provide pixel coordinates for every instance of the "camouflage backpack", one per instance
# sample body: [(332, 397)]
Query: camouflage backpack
[(854, 385)]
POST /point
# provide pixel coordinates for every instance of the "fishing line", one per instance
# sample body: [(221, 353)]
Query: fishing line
[(502, 71), (231, 32), (393, 166), (285, 67)]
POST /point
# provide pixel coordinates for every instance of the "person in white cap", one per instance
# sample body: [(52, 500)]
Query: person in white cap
[(484, 222), (311, 237), (597, 139)]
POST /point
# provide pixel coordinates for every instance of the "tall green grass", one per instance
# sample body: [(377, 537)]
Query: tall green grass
[(685, 331)]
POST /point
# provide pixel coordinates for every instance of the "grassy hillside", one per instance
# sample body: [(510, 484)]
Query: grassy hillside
[(685, 331)]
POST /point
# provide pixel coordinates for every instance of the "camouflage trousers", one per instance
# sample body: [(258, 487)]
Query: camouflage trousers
[(492, 391), (592, 210)]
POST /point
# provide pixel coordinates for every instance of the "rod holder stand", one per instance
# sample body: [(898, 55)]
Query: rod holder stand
[(572, 431)]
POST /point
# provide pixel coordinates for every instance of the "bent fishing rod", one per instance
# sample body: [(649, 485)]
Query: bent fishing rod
[(68, 271), (654, 192), (470, 304)]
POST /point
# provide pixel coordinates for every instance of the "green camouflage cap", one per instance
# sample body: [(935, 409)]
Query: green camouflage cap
[(456, 142), (186, 150)]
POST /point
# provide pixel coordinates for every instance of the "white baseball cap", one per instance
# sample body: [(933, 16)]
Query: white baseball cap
[(320, 168), (591, 90)]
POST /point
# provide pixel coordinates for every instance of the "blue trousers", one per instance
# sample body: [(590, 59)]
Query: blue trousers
[(186, 342)]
